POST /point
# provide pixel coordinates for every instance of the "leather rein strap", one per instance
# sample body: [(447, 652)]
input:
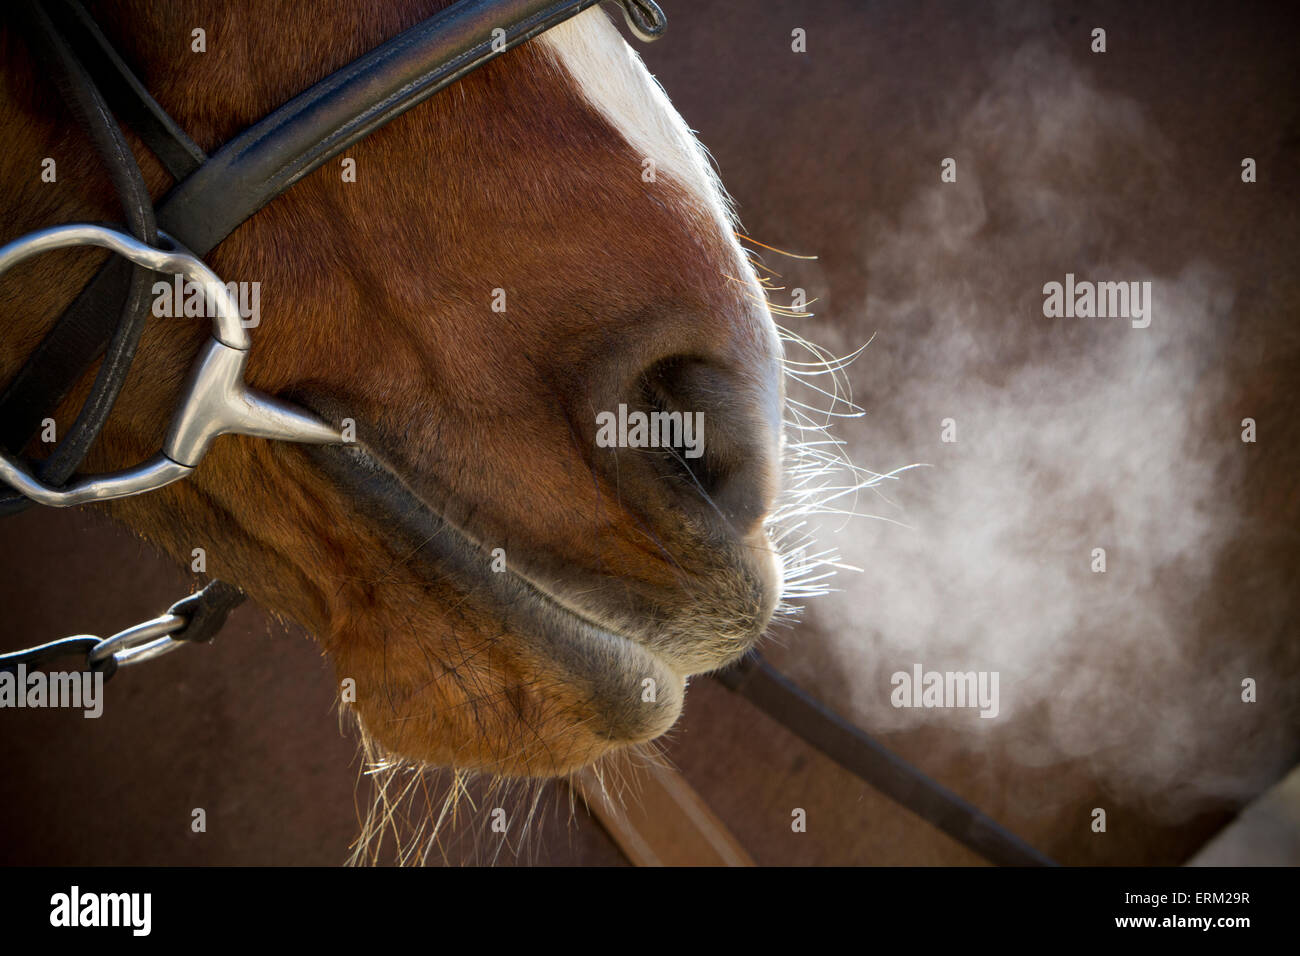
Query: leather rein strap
[(806, 717), (51, 370)]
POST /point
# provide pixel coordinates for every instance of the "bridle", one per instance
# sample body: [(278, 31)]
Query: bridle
[(213, 195), (215, 400)]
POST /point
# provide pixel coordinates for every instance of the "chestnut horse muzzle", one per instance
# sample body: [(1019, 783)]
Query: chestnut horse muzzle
[(215, 194)]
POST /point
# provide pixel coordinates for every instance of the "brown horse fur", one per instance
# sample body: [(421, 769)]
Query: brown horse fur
[(376, 300)]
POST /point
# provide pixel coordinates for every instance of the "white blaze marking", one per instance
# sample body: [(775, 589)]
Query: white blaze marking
[(611, 77)]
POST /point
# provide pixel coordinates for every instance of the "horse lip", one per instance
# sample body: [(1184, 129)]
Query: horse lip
[(369, 465), (609, 663), (360, 462)]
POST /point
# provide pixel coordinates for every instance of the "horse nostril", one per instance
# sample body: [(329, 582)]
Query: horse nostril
[(722, 455), (668, 390)]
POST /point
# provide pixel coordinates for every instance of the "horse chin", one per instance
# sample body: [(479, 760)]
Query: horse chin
[(542, 687)]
